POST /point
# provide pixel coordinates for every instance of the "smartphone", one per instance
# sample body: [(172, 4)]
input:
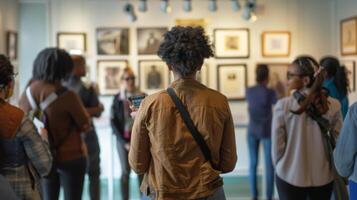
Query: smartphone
[(136, 100)]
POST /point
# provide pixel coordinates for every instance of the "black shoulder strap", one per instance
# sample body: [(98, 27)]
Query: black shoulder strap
[(189, 123)]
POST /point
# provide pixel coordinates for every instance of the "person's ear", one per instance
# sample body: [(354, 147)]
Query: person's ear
[(170, 67), (306, 80)]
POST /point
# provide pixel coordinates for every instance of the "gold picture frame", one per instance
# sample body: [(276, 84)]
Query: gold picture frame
[(348, 36), (276, 43)]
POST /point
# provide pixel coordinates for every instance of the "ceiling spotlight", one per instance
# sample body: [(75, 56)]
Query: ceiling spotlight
[(187, 5), (165, 6), (212, 5), (248, 11), (235, 5), (143, 7), (129, 10)]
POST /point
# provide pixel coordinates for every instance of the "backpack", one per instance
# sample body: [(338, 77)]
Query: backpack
[(40, 120)]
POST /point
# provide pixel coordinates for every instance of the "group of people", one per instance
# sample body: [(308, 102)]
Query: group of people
[(180, 140), (297, 152)]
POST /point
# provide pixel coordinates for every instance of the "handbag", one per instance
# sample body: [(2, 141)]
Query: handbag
[(192, 128)]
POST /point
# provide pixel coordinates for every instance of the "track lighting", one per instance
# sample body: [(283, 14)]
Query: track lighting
[(129, 10), (212, 5), (165, 6), (143, 7), (235, 5), (187, 5), (249, 11)]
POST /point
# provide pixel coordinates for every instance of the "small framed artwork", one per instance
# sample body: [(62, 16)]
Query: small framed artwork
[(72, 42), (278, 78), (191, 22), (276, 43), (153, 75), (112, 41), (11, 45), (351, 73), (348, 36), (231, 43), (149, 40), (232, 80), (109, 74), (202, 76)]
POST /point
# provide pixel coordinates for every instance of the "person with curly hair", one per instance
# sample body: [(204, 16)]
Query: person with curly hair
[(24, 153), (162, 146)]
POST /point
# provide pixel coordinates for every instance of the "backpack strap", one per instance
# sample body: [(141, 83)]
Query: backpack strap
[(29, 96), (190, 125)]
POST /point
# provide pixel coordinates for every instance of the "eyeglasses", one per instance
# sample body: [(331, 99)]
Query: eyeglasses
[(290, 75), (130, 78)]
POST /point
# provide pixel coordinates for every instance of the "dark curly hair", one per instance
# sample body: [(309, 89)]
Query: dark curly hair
[(185, 48), (51, 65), (336, 71), (6, 71)]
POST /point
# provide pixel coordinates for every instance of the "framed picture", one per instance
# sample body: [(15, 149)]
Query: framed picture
[(153, 75), (72, 42), (109, 73), (351, 73), (348, 36), (149, 40), (11, 45), (278, 78), (112, 41), (232, 80), (276, 43), (231, 43), (191, 22), (202, 76)]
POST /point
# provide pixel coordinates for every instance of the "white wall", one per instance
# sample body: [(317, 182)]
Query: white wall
[(343, 9)]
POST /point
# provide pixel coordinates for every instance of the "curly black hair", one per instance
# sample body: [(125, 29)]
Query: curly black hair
[(185, 48), (6, 71), (51, 65)]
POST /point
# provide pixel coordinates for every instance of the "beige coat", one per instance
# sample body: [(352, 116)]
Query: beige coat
[(163, 149)]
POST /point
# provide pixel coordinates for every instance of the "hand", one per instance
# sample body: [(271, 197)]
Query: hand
[(44, 134), (127, 146), (134, 110)]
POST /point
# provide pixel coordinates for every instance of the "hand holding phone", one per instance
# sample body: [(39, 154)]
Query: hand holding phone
[(136, 100)]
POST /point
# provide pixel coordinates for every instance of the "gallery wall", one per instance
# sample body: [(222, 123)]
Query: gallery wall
[(8, 20)]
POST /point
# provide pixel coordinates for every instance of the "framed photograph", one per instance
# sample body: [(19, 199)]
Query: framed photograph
[(109, 73), (153, 75), (11, 44), (191, 22), (348, 36), (351, 73), (278, 78), (202, 76), (72, 42), (232, 80), (231, 43), (149, 40), (276, 43), (112, 41)]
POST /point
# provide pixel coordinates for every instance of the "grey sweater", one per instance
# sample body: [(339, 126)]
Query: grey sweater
[(297, 144), (346, 148)]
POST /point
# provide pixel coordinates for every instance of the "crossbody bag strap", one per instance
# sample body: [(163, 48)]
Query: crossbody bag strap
[(189, 123)]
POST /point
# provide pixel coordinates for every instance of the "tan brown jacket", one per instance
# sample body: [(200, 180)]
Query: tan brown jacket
[(163, 148)]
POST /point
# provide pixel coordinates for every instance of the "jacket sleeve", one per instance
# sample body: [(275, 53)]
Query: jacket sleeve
[(139, 153), (346, 147), (228, 152), (78, 112), (278, 132), (116, 120), (36, 149)]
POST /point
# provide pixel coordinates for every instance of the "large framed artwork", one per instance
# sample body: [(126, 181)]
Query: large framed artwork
[(231, 43), (112, 41), (149, 40), (11, 44), (72, 42), (232, 80), (350, 66), (153, 75), (348, 36), (276, 43), (109, 73), (191, 22), (278, 78)]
